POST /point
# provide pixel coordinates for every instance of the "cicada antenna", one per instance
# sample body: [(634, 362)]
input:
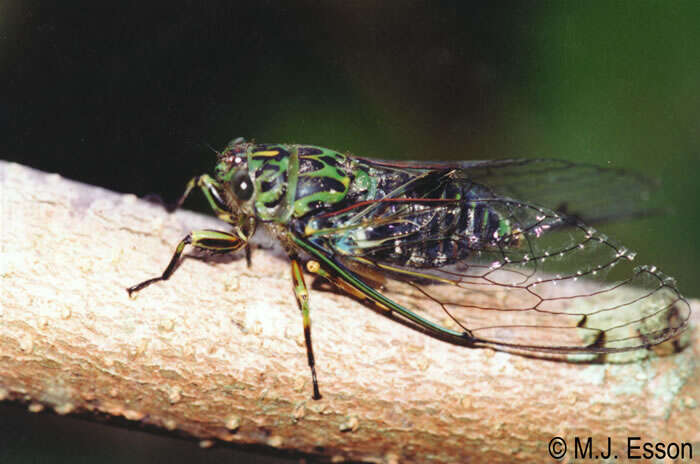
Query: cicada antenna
[(210, 147)]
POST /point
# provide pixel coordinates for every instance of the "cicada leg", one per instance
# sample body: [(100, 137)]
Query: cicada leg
[(212, 240), (210, 188), (248, 255), (315, 268), (302, 295)]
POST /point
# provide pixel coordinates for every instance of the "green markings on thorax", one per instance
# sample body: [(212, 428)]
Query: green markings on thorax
[(330, 181), (293, 180), (270, 165)]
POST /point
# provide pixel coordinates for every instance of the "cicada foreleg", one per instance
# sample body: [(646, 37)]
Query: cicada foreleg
[(211, 240), (211, 190), (302, 294)]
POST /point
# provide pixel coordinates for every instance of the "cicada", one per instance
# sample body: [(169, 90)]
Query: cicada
[(494, 254)]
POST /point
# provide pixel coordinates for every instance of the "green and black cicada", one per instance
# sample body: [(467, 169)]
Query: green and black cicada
[(490, 248)]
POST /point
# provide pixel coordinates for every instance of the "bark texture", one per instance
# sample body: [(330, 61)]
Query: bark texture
[(217, 352)]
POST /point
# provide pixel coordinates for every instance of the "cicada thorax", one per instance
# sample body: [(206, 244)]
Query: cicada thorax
[(295, 181), (325, 181)]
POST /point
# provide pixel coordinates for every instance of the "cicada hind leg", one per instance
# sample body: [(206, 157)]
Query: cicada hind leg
[(315, 268)]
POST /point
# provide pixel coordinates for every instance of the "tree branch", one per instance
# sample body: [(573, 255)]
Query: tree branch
[(217, 352)]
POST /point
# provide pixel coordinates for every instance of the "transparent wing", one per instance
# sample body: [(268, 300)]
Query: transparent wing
[(590, 193), (587, 192), (550, 284)]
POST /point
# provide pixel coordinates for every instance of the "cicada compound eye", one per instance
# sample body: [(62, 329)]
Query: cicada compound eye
[(242, 185)]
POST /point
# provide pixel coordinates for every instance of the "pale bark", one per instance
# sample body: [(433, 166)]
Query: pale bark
[(217, 352)]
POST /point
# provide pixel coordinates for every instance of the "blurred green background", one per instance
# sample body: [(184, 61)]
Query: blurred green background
[(127, 95)]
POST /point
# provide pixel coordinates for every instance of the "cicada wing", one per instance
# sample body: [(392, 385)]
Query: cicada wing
[(540, 287), (585, 192), (590, 193)]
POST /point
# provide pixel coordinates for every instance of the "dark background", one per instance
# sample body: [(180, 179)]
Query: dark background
[(127, 95)]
